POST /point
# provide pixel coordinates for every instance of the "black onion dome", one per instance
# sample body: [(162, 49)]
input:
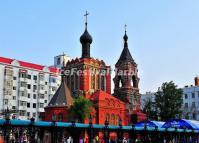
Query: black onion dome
[(86, 37)]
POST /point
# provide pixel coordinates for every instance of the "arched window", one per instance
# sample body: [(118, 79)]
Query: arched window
[(119, 81), (112, 119), (134, 80), (107, 117), (102, 82), (60, 117), (117, 118), (93, 81), (97, 81)]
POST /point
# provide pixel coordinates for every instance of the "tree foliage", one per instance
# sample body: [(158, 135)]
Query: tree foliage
[(149, 109), (168, 101), (81, 109)]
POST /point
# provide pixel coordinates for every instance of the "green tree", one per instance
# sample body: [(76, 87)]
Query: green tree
[(81, 109), (149, 109), (168, 101)]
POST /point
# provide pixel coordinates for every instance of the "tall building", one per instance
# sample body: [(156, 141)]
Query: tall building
[(190, 106), (61, 60), (91, 78), (26, 87)]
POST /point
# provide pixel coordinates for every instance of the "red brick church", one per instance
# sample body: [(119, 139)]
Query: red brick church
[(90, 77)]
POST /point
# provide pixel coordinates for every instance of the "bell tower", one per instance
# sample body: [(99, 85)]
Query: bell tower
[(126, 79)]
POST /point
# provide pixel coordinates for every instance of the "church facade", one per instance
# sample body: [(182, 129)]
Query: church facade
[(91, 78)]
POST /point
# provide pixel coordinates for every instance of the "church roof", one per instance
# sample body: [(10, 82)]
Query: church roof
[(125, 55), (63, 96), (102, 95)]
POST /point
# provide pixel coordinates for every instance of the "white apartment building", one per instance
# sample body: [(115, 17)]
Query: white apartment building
[(190, 106), (191, 101), (27, 87)]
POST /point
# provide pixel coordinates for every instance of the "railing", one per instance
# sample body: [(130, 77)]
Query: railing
[(14, 131)]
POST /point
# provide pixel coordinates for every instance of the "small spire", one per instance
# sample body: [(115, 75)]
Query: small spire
[(125, 27), (125, 37)]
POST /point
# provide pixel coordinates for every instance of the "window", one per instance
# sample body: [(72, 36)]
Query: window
[(41, 87), (41, 105), (58, 61), (23, 103), (34, 114), (52, 80), (186, 105), (28, 105), (193, 104), (14, 78), (23, 84), (60, 117), (14, 97), (28, 114), (193, 95), (46, 83), (29, 86), (46, 92), (14, 88), (5, 102), (194, 116), (41, 77), (34, 96), (185, 96), (45, 101), (35, 77), (34, 87), (53, 88), (13, 107), (23, 75), (41, 96), (34, 105), (28, 95), (29, 76), (22, 93)]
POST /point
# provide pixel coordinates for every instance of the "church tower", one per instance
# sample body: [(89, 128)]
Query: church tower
[(126, 79), (86, 75)]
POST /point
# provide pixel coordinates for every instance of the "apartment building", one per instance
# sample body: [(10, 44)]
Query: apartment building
[(27, 87)]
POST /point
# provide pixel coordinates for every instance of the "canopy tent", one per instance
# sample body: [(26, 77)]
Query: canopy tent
[(150, 124), (182, 124)]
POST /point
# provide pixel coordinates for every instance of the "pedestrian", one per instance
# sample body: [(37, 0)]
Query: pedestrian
[(81, 140), (124, 140)]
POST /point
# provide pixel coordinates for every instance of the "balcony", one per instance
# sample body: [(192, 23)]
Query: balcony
[(40, 109), (23, 98), (41, 100), (24, 108), (41, 82)]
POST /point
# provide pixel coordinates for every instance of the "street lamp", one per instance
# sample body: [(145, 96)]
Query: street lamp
[(120, 134), (106, 133), (90, 129), (53, 132), (32, 130)]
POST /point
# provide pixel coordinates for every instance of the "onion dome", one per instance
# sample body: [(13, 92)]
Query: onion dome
[(86, 37)]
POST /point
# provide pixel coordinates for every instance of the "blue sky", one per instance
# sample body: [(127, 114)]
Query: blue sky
[(163, 34)]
